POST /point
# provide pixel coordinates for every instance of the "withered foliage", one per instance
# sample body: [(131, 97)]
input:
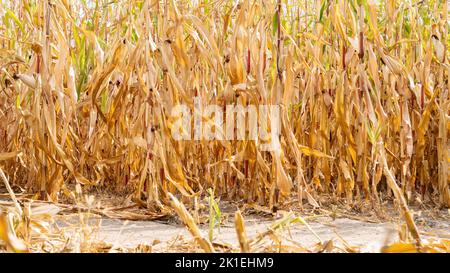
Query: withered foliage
[(87, 88)]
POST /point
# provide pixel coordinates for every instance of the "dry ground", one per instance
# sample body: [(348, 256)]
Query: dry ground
[(118, 223), (363, 231), (367, 236)]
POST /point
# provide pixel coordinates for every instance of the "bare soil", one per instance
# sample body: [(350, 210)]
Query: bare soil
[(366, 236)]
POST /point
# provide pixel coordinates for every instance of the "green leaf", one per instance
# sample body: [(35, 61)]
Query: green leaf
[(322, 9), (275, 23), (214, 214), (134, 35), (352, 4), (10, 15)]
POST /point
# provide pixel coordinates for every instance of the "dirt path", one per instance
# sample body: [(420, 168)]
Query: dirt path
[(366, 236)]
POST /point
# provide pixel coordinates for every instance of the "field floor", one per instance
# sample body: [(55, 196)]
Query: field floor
[(338, 228), (365, 236), (112, 224)]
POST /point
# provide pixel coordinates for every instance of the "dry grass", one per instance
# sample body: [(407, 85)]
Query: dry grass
[(86, 89)]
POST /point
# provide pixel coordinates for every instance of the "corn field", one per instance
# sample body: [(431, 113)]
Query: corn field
[(87, 88)]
